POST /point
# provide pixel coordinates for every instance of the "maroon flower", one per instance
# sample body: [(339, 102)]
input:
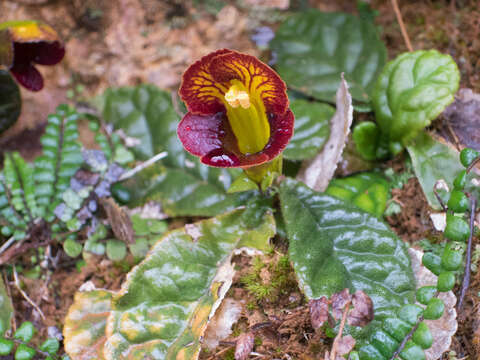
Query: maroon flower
[(238, 111)]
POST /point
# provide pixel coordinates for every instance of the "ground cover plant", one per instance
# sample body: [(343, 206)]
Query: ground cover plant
[(259, 207)]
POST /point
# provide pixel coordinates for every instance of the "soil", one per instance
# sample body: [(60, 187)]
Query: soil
[(127, 42)]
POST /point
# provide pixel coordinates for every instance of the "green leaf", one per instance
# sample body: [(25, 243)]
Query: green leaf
[(6, 309), (72, 247), (312, 129), (366, 137), (334, 245), (411, 91), (431, 162), (313, 48), (61, 159), (163, 307), (183, 185), (24, 352), (116, 249), (368, 191), (51, 346), (25, 332), (84, 329), (20, 182), (10, 100), (6, 346)]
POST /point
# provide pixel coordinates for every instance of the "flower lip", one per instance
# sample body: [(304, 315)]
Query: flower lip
[(236, 104), (33, 43)]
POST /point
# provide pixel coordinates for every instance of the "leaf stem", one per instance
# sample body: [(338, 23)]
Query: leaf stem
[(24, 294), (143, 165), (406, 338), (468, 260), (398, 14), (340, 331)]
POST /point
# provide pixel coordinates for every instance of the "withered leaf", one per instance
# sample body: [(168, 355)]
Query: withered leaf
[(244, 346), (362, 312), (339, 301), (318, 311), (345, 345), (118, 220)]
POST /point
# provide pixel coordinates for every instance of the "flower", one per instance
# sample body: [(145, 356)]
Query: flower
[(238, 113), (24, 43)]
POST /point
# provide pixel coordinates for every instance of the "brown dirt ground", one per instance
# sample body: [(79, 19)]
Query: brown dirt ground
[(126, 42)]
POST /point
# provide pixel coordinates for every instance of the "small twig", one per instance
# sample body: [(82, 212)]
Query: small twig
[(7, 244), (439, 199), (145, 164), (398, 14), (406, 338), (340, 331), (468, 260), (24, 294), (473, 164)]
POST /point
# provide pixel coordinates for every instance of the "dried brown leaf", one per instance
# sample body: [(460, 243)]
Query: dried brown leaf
[(339, 301), (118, 220), (318, 311), (345, 345), (244, 346), (362, 312)]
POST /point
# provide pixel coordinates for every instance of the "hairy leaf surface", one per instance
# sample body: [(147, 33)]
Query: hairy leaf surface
[(411, 91), (179, 182), (311, 129), (433, 161), (334, 245), (368, 191), (313, 48)]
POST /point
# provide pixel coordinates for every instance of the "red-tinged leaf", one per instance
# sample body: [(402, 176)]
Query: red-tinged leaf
[(362, 312), (339, 301), (244, 346), (345, 345), (318, 311)]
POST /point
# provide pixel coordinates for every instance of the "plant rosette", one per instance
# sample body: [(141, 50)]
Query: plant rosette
[(25, 43), (238, 114)]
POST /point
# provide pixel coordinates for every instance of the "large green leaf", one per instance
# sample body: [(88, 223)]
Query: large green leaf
[(10, 101), (433, 161), (179, 182), (313, 48), (334, 245), (312, 128), (6, 309), (167, 300), (411, 91), (368, 191), (84, 329)]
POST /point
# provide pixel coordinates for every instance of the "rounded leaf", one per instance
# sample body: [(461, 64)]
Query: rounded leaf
[(72, 248), (457, 229), (422, 336), (446, 281), (116, 249), (467, 156), (452, 256), (6, 346), (434, 309), (412, 351), (366, 136), (25, 332), (425, 294), (313, 48), (460, 181), (51, 346), (411, 91), (24, 352), (458, 201), (432, 262), (410, 313)]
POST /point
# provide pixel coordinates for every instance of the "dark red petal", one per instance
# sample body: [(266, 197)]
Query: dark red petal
[(201, 134), (27, 76), (42, 52), (259, 79), (221, 158), (198, 88)]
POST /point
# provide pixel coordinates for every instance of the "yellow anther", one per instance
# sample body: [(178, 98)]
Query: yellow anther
[(236, 98)]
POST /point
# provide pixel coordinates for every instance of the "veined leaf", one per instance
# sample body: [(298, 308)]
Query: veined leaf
[(433, 161), (368, 191), (312, 129), (19, 180), (6, 309), (84, 329), (163, 308), (10, 101), (179, 182), (411, 91), (334, 245), (60, 160), (313, 48)]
